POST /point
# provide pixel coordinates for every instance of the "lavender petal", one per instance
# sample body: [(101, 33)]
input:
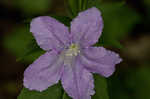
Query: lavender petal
[(99, 60), (44, 72), (87, 27), (49, 33), (77, 81)]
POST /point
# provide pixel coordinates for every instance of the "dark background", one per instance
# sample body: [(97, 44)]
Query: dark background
[(132, 77)]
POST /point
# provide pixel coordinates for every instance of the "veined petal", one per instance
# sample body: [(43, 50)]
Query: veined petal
[(77, 81), (99, 60), (49, 33), (44, 72), (87, 27)]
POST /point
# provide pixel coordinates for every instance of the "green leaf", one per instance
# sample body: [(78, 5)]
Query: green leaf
[(53, 92), (100, 88), (32, 53), (65, 96)]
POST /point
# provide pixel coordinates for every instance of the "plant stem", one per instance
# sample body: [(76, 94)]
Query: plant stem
[(64, 95), (85, 4), (80, 5), (69, 9)]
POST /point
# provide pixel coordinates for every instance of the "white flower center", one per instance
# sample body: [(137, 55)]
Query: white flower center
[(69, 54), (73, 50)]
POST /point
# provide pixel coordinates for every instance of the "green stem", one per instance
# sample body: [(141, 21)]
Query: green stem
[(85, 3), (64, 95), (80, 5), (69, 9)]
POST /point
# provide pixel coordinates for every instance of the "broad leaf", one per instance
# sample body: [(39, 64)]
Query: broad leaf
[(100, 88), (53, 92), (65, 96)]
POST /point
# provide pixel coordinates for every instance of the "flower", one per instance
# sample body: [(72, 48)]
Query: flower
[(70, 56)]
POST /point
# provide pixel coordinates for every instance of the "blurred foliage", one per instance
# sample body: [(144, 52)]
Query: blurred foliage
[(119, 19), (131, 84), (29, 7), (138, 81), (72, 7), (147, 3), (92, 3), (116, 88), (33, 6), (54, 92), (23, 45), (76, 6)]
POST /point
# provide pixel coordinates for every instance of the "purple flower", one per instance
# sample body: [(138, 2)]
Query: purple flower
[(70, 56)]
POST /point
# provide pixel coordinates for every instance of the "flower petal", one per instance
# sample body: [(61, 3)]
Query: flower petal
[(44, 72), (49, 33), (77, 81), (87, 27), (99, 60)]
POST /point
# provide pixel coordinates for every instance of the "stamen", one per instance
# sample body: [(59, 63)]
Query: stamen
[(73, 50)]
